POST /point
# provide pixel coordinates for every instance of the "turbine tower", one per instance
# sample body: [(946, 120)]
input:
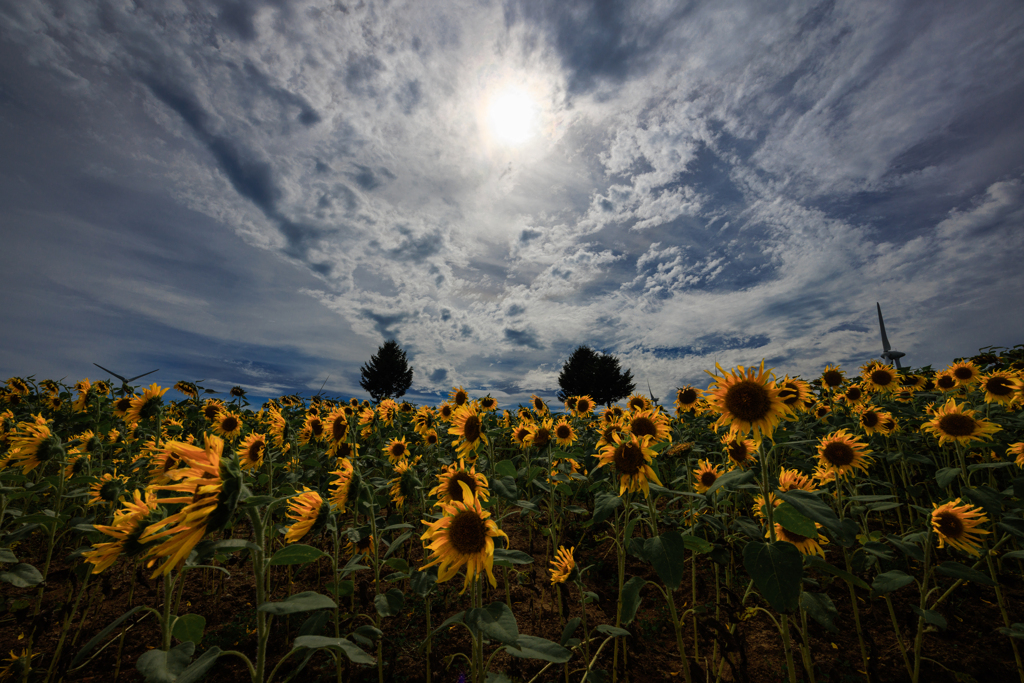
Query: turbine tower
[(887, 352)]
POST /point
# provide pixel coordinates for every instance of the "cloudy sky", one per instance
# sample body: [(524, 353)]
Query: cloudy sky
[(261, 192)]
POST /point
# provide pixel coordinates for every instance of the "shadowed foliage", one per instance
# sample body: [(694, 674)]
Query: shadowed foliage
[(598, 375), (388, 374)]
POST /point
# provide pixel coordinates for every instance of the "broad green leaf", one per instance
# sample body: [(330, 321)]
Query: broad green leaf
[(570, 628), (495, 621), (945, 476), (631, 598), (296, 554), (531, 647), (506, 558), (791, 520), (962, 571), (817, 563), (7, 557), (811, 506), (344, 588), (423, 581), (505, 468), (610, 630), (730, 480), (748, 528), (350, 649), (930, 616), (776, 569), (1015, 631), (22, 575), (300, 602), (189, 628), (821, 609), (163, 666), (505, 487), (103, 634), (911, 550), (198, 669), (397, 543), (667, 553), (604, 506), (888, 582), (389, 604), (398, 564), (696, 544), (232, 545)]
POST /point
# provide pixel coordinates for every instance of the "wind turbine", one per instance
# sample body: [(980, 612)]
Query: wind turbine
[(887, 352), (125, 389)]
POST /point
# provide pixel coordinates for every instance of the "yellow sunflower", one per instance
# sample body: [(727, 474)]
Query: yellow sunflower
[(451, 480), (227, 425), (740, 453), (19, 386), (84, 388), (188, 389), (146, 405), (521, 433), (747, 401), (956, 423), (832, 377), (1016, 451), (806, 545), (795, 393), (127, 528), (965, 373), (706, 474), (403, 486), (445, 412), (652, 423), (912, 382), (308, 512), (945, 381), (488, 404), (539, 407), (337, 428), (342, 484), (397, 450), (843, 452), (463, 537), (871, 419), (957, 525), (686, 399), (313, 429), (251, 451), (584, 406), (564, 434), (878, 376), (541, 434), (563, 564), (424, 420), (364, 546), (458, 396), (32, 445), (632, 459), (1000, 387), (638, 402), (821, 410), (107, 489), (468, 429), (430, 437), (854, 395), (793, 479)]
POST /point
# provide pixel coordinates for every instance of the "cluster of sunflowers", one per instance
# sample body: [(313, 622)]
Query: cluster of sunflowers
[(158, 477)]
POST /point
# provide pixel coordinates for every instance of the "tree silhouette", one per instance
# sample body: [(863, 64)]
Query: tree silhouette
[(594, 374), (388, 374)]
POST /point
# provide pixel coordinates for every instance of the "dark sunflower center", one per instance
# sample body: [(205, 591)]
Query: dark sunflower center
[(636, 404), (838, 454), (687, 396), (571, 404), (468, 533), (822, 411), (738, 451), (454, 490), (963, 374), (833, 378), (792, 536), (487, 403), (339, 428), (316, 427), (149, 408), (471, 430), (397, 450), (461, 398), (945, 382), (790, 394), (708, 478), (643, 426), (949, 525), (869, 419), (541, 437), (123, 404), (446, 412), (854, 394), (998, 386), (882, 378), (538, 405), (229, 424), (748, 401), (628, 458), (957, 424), (255, 449), (563, 432), (210, 412), (110, 490), (431, 438), (582, 406)]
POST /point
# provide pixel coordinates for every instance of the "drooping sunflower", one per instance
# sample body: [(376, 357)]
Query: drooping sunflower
[(539, 407), (956, 423), (397, 450), (832, 377), (127, 528), (843, 452), (806, 545), (748, 402), (308, 512), (146, 405), (341, 484), (19, 386), (227, 425), (957, 524), (794, 479), (563, 564), (468, 429), (564, 434), (966, 373), (387, 411), (705, 475), (84, 389), (102, 387), (47, 385), (632, 459), (912, 382), (313, 429), (32, 445), (424, 420), (251, 451), (336, 428), (362, 545), (608, 431), (1000, 387), (795, 393), (107, 489), (404, 484), (451, 480), (188, 389), (740, 453), (463, 537), (878, 376), (686, 399), (652, 423)]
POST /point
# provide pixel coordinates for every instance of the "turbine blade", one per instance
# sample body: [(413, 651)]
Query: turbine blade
[(143, 375), (881, 326), (111, 372)]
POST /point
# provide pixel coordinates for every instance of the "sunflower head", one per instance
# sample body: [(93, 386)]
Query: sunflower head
[(652, 423), (747, 401), (739, 453), (945, 381), (227, 425), (463, 537), (584, 406), (956, 423), (832, 377), (398, 450), (843, 452), (488, 404), (966, 373), (957, 524), (563, 564), (309, 514), (456, 481), (705, 475), (1001, 387), (251, 451), (468, 428), (146, 405), (878, 376), (458, 396), (638, 402), (564, 434), (539, 407), (632, 459)]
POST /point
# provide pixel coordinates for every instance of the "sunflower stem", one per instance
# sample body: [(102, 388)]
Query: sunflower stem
[(922, 605), (1002, 610), (899, 637), (678, 626)]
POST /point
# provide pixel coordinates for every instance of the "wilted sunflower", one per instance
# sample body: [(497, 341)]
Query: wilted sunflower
[(965, 373), (458, 396), (652, 423), (404, 485), (128, 526), (342, 484), (563, 564), (608, 431), (363, 545), (705, 475), (32, 445), (17, 667), (313, 429), (19, 386), (686, 399), (387, 411), (878, 376), (956, 423), (308, 512), (451, 480), (912, 382), (468, 429), (832, 377), (146, 405), (843, 452), (227, 425), (237, 392), (251, 451), (957, 525), (1000, 387), (564, 434), (541, 434), (463, 537), (806, 545), (741, 453), (748, 401), (336, 428), (632, 459)]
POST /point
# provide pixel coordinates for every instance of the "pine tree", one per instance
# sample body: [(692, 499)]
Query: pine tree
[(388, 374), (594, 374)]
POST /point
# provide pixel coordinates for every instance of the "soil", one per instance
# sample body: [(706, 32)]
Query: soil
[(970, 649)]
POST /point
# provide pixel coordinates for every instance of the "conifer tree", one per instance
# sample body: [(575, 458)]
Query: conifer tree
[(598, 375), (388, 374)]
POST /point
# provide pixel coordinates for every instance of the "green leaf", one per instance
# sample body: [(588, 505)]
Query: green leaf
[(6, 556), (945, 476), (610, 630), (667, 553), (389, 604), (300, 602), (296, 554), (604, 506), (344, 645), (570, 628), (160, 666), (791, 520), (821, 608), (730, 480), (811, 506), (423, 581), (748, 528), (343, 589), (631, 598), (776, 569), (1014, 555), (397, 543), (962, 571), (696, 544), (1015, 631), (495, 621), (820, 564), (199, 668), (22, 575), (888, 582), (930, 616), (506, 558), (505, 468), (189, 628), (505, 487), (531, 647), (103, 634), (233, 545), (398, 564), (39, 518), (911, 550)]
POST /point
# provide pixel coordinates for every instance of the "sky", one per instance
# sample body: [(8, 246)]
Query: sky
[(261, 192)]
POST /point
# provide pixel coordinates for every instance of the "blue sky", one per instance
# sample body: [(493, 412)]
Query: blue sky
[(261, 192)]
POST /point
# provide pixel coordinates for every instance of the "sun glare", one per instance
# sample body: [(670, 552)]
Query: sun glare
[(511, 116)]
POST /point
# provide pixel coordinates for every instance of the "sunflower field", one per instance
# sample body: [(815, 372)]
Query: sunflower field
[(864, 525)]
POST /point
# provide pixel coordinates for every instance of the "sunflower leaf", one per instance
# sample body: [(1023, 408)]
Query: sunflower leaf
[(570, 628), (610, 630), (945, 476), (532, 647), (506, 558), (22, 575), (396, 544), (344, 645), (930, 617), (821, 608), (962, 571), (189, 627), (505, 468), (731, 480), (604, 506), (820, 564), (888, 582), (300, 602), (791, 520), (163, 666), (911, 550), (776, 569), (667, 553), (631, 598), (198, 669), (389, 604), (505, 487), (296, 554), (495, 621), (811, 506)]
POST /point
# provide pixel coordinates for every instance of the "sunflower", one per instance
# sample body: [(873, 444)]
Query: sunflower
[(54, 402), (1016, 451), (78, 463), (878, 376), (564, 434), (341, 487), (793, 479), (363, 545), (805, 544), (430, 437), (957, 525), (945, 381), (84, 389), (445, 412), (308, 511), (795, 393), (463, 537), (1000, 387), (387, 411), (344, 450), (747, 401), (404, 485), (398, 450), (706, 474), (127, 528), (32, 445), (541, 434), (832, 377), (957, 423), (453, 482), (227, 425), (912, 382), (854, 395), (188, 389), (521, 433), (122, 405), (871, 419), (147, 405), (488, 404), (686, 399), (424, 420), (632, 459), (563, 564), (741, 453), (966, 373), (539, 407), (336, 427), (843, 452), (251, 451), (570, 403), (584, 406), (107, 489), (468, 429), (458, 396), (19, 386), (279, 428), (652, 423), (638, 402), (17, 667), (48, 385), (313, 429), (821, 411)]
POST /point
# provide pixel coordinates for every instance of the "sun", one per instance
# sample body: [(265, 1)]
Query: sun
[(511, 116)]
